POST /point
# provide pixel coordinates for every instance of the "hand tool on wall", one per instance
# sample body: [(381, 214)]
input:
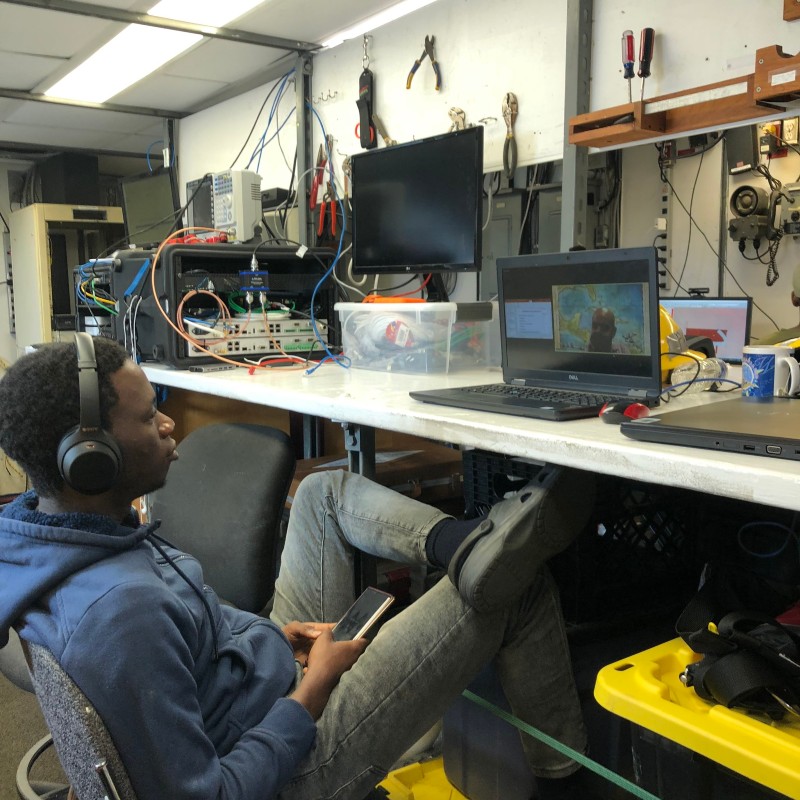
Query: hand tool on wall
[(628, 59), (646, 42), (381, 129), (328, 205), (347, 171), (458, 119), (319, 172), (510, 108), (366, 92), (428, 51)]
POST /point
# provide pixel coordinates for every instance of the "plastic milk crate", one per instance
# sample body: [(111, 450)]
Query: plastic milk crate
[(634, 560)]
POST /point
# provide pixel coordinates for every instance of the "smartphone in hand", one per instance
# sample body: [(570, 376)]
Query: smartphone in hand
[(362, 615)]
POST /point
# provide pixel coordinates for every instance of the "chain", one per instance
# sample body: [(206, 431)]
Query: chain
[(365, 59)]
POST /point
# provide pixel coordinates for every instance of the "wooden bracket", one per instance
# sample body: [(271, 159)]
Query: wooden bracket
[(617, 125), (791, 10), (777, 75)]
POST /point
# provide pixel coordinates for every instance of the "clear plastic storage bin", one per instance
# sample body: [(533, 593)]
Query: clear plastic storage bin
[(399, 337)]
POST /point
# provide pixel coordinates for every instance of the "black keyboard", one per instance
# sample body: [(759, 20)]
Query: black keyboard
[(538, 394)]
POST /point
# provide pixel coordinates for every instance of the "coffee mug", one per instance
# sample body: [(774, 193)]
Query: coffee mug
[(769, 372)]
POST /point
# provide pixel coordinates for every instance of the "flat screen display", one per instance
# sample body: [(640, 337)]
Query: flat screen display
[(149, 205), (723, 320), (417, 207), (581, 318)]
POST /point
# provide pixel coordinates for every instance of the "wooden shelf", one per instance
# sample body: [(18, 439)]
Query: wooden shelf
[(712, 106), (617, 125), (777, 75), (791, 9)]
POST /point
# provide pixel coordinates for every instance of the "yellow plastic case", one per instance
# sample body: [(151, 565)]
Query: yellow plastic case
[(646, 689), (422, 781)]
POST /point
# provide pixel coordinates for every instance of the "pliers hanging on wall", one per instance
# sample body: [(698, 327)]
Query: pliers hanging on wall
[(319, 172), (428, 51), (327, 203), (510, 108)]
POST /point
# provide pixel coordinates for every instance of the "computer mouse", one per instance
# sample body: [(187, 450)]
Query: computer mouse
[(614, 413)]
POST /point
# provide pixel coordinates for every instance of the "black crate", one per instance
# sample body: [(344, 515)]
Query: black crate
[(636, 559)]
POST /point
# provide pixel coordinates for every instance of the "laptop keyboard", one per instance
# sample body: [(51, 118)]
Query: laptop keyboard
[(541, 395)]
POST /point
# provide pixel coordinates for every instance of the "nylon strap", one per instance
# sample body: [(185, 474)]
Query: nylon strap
[(583, 760)]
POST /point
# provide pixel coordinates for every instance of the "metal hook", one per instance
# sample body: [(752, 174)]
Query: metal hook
[(323, 97), (365, 59)]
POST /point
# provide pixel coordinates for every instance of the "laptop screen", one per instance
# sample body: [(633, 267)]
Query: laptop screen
[(724, 320), (584, 319)]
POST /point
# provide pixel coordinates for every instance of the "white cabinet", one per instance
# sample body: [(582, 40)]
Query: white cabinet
[(47, 242)]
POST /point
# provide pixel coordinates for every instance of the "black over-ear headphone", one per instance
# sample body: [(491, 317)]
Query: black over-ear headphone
[(89, 457)]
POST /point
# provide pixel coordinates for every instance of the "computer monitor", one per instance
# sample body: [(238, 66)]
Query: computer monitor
[(723, 320), (149, 205), (417, 206)]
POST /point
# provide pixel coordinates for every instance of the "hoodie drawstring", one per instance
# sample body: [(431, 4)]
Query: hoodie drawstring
[(154, 539)]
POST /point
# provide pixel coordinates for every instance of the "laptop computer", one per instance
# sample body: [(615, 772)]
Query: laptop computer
[(577, 330), (736, 425), (723, 320)]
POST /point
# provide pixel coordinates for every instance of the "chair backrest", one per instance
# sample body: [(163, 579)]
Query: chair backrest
[(223, 503), (13, 664), (80, 737)]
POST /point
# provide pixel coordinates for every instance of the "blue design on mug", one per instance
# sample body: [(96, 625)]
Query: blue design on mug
[(758, 374)]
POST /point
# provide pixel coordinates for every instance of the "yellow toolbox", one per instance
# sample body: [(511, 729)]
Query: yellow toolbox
[(737, 750), (422, 781)]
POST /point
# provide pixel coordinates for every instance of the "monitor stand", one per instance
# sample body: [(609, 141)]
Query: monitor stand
[(436, 290)]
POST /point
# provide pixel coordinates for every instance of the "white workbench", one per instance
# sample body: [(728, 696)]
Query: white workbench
[(380, 400)]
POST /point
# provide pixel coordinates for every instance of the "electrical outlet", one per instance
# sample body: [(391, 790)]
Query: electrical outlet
[(790, 130)]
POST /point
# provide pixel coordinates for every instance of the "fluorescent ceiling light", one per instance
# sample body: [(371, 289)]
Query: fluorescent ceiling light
[(375, 21), (139, 50)]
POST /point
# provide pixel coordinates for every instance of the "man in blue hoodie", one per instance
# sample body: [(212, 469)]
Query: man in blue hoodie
[(205, 701)]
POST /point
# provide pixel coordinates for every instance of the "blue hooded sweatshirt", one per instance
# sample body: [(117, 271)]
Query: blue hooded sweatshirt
[(192, 692)]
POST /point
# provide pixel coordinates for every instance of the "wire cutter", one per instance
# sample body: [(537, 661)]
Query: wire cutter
[(510, 107), (327, 202), (319, 170), (428, 51)]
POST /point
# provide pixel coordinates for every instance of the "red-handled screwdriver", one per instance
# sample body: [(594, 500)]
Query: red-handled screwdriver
[(628, 58), (646, 42)]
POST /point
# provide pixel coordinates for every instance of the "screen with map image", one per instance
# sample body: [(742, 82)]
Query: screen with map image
[(601, 318)]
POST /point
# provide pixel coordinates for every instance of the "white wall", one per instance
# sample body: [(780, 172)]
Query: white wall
[(489, 47), (697, 42), (484, 50)]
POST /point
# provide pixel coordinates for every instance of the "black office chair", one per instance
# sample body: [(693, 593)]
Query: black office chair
[(223, 503)]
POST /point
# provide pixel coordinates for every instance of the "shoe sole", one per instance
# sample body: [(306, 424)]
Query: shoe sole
[(499, 560)]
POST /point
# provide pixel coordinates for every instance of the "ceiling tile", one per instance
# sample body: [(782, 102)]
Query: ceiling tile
[(167, 92), (22, 71), (309, 20), (35, 113), (49, 33), (221, 61), (54, 137)]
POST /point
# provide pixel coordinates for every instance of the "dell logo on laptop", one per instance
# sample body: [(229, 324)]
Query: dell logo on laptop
[(573, 377)]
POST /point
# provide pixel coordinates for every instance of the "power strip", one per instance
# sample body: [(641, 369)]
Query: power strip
[(256, 345)]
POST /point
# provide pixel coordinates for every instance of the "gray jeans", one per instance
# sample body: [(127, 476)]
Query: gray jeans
[(422, 659)]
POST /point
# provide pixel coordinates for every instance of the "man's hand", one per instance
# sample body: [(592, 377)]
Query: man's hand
[(327, 662), (302, 635)]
